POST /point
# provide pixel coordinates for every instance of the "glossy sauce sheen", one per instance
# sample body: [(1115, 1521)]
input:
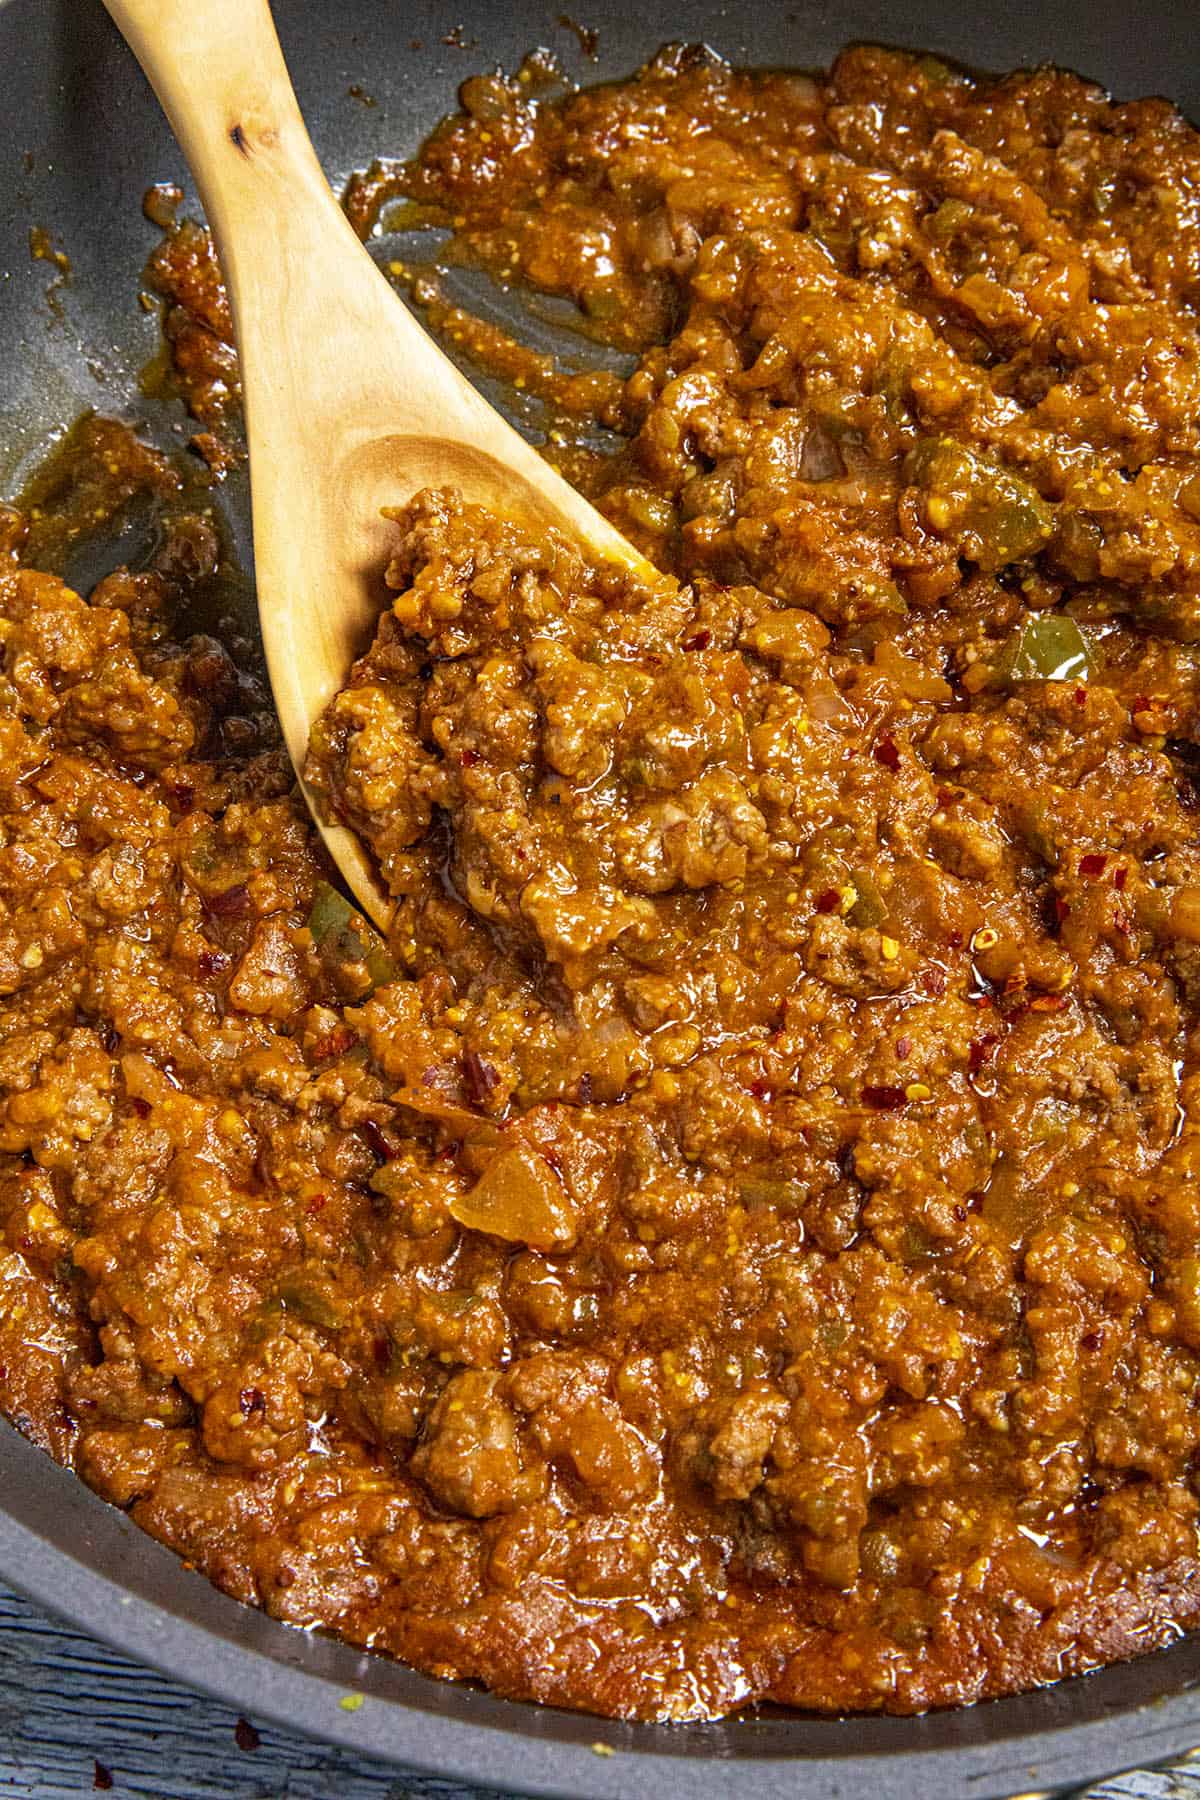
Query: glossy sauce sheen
[(739, 1238)]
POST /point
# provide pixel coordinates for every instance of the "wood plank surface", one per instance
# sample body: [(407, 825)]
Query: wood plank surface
[(74, 1715)]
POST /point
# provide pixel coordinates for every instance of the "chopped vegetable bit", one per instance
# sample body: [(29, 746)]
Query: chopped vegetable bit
[(994, 516), (311, 1299), (339, 932), (519, 1198), (869, 906), (1048, 647)]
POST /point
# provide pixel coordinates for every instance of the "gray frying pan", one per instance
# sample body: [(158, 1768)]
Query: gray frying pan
[(80, 140)]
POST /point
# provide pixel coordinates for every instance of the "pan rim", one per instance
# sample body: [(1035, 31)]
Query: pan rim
[(87, 1563)]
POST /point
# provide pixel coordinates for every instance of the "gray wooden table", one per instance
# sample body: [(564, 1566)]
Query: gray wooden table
[(76, 1718)]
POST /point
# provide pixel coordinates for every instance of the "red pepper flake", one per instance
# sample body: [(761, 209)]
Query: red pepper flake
[(479, 1078), (335, 1043), (245, 1736), (1081, 696), (212, 962), (933, 980), (1120, 876), (1091, 1341), (1092, 865), (1142, 703), (760, 1088), (375, 1138), (903, 1049), (317, 1204), (382, 1351), (1122, 922), (1061, 909), (251, 1400), (234, 903), (101, 1776), (886, 753), (884, 1099), (1047, 1003), (981, 1051), (829, 900), (699, 640), (468, 758)]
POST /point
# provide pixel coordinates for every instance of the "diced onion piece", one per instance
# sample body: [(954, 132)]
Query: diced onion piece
[(520, 1199)]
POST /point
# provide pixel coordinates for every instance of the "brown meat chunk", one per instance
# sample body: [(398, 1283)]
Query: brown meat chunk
[(470, 1456)]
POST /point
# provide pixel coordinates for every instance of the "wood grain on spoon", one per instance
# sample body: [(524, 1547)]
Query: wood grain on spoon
[(350, 406)]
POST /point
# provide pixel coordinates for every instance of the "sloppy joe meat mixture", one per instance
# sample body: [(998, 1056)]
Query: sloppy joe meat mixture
[(739, 1237)]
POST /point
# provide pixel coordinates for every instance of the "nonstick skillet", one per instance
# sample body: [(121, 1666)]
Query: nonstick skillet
[(80, 140)]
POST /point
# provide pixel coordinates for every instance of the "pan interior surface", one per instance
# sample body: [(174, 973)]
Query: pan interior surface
[(80, 141)]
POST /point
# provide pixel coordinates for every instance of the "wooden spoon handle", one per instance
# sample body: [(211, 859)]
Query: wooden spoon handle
[(299, 283), (219, 73)]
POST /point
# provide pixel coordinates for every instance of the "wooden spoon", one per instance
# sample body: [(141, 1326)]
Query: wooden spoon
[(349, 405)]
